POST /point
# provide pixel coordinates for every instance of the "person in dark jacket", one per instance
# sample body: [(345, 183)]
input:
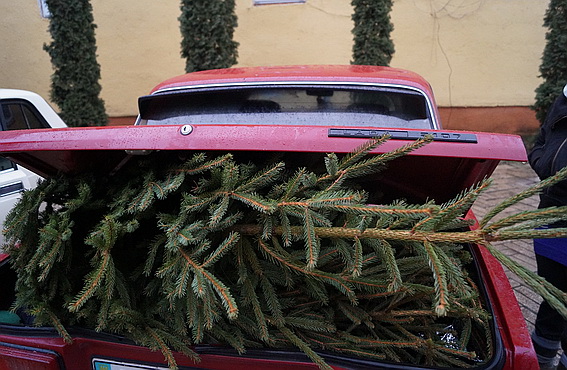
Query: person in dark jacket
[(549, 155)]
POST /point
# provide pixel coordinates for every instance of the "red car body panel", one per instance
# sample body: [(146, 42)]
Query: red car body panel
[(307, 73), (250, 138), (439, 170), (53, 353)]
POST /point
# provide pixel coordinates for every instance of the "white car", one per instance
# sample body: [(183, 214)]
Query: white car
[(21, 110)]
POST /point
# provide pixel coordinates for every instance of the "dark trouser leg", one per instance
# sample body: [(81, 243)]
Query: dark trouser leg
[(550, 326)]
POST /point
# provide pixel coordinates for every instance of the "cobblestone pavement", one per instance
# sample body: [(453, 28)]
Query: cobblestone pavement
[(510, 178)]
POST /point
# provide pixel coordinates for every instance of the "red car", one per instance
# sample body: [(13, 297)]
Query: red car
[(305, 110)]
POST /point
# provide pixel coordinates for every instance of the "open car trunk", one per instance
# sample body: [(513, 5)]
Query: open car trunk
[(439, 171)]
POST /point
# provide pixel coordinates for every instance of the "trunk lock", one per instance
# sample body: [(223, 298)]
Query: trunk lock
[(186, 129)]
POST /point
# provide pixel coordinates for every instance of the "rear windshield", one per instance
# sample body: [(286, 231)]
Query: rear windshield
[(310, 105)]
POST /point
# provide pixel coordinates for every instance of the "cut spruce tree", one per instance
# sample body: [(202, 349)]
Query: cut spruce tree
[(220, 248)]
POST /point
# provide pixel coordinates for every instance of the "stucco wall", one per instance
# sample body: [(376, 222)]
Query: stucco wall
[(23, 63), (474, 53), (486, 53)]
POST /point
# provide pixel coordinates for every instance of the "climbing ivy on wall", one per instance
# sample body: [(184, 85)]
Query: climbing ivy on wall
[(553, 66), (75, 84), (207, 28), (372, 28)]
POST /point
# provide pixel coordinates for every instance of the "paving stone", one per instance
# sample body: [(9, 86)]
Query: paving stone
[(529, 294)]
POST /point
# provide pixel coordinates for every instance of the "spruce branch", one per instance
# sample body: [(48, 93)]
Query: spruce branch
[(533, 190), (198, 164), (453, 209), (555, 297), (93, 282), (205, 279), (361, 151), (261, 179), (285, 260), (441, 288), (289, 335), (386, 253)]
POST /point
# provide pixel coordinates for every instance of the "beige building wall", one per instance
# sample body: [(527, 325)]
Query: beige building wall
[(474, 53)]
